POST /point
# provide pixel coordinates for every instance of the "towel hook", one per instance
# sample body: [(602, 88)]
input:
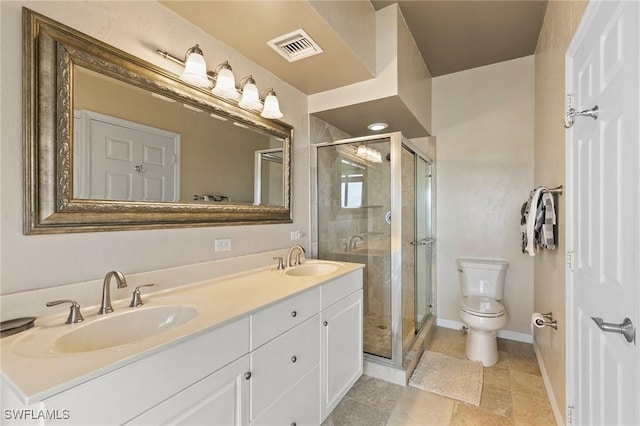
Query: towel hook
[(570, 116)]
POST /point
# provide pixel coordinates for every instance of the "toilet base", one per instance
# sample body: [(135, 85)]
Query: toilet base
[(482, 346)]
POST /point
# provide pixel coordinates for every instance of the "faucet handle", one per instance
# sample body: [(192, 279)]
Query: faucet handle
[(280, 262), (74, 312), (136, 300)]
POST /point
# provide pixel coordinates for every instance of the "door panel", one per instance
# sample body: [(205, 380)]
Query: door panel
[(603, 172)]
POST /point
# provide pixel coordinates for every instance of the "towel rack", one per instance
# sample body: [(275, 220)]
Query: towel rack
[(557, 190)]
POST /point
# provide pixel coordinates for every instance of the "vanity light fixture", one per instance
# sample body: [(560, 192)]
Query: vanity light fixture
[(369, 154), (250, 96), (376, 127), (224, 84), (271, 105)]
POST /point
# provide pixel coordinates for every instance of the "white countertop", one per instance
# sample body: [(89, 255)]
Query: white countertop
[(218, 301)]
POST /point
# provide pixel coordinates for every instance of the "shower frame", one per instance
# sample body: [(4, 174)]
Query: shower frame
[(396, 141)]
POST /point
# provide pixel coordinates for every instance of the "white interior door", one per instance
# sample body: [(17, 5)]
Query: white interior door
[(123, 160), (603, 231)]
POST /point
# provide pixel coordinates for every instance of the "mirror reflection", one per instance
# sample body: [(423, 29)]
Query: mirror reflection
[(130, 144)]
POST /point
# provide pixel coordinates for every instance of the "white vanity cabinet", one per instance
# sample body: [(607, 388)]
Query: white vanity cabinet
[(288, 362), (174, 382), (341, 343)]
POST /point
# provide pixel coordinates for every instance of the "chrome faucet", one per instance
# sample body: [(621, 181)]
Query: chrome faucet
[(353, 241), (292, 250), (105, 307)]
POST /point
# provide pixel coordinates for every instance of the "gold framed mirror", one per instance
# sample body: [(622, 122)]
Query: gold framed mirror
[(208, 148)]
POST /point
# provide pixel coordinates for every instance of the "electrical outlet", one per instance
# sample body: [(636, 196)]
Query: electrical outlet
[(296, 235), (223, 244)]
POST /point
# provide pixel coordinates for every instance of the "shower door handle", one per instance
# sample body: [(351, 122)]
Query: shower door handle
[(422, 242)]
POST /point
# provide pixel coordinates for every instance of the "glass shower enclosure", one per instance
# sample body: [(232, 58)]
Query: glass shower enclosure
[(374, 207)]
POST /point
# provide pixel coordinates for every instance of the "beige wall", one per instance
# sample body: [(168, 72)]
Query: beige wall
[(483, 120), (560, 22), (137, 28)]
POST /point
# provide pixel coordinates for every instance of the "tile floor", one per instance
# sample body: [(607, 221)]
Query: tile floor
[(513, 394)]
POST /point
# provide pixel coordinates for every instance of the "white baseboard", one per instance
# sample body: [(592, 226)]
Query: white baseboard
[(505, 334), (547, 384)]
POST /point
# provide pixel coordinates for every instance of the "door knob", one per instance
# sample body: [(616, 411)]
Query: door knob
[(626, 328)]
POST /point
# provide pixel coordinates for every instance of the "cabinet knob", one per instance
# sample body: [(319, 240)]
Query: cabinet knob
[(294, 358), (247, 375), (294, 314), (293, 424), (325, 323)]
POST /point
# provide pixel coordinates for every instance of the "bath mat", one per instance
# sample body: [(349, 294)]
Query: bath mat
[(449, 376)]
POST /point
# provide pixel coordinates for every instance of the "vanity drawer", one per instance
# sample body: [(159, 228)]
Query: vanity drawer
[(299, 405), (276, 319), (281, 363), (340, 288)]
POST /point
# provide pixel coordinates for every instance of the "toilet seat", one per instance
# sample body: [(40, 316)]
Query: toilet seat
[(482, 307)]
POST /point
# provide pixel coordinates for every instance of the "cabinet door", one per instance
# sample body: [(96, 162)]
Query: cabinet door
[(341, 360), (221, 398)]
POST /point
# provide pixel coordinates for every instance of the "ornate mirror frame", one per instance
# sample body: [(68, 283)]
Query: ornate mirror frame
[(50, 51)]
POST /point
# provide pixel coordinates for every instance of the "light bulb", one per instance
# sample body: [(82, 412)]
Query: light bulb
[(226, 83), (195, 68), (250, 97), (271, 106)]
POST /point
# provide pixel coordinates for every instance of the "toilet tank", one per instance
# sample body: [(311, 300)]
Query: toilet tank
[(482, 277)]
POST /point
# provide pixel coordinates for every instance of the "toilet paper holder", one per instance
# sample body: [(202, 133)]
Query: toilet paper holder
[(549, 321)]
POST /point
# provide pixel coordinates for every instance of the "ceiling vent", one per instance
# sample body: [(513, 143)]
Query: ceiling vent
[(295, 46)]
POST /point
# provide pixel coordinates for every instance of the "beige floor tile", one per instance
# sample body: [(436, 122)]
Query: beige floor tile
[(465, 414), (354, 413), (524, 364), (497, 400), (497, 377), (376, 393), (517, 348), (532, 410), (513, 393), (528, 384), (419, 407)]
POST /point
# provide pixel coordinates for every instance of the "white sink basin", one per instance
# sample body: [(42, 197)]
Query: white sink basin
[(122, 328), (103, 332), (313, 269)]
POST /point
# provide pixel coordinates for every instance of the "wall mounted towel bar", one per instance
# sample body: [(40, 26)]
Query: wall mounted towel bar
[(557, 190)]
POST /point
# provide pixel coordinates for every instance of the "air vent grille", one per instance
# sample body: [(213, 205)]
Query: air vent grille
[(295, 45)]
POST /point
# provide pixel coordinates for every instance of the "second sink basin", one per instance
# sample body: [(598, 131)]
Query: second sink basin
[(122, 328), (313, 269)]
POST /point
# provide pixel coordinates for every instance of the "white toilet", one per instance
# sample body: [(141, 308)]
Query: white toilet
[(482, 285)]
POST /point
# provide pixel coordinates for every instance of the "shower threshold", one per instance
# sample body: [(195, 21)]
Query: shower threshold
[(381, 368)]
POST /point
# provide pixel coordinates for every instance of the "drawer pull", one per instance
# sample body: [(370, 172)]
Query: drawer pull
[(247, 375), (325, 323), (294, 359), (294, 314)]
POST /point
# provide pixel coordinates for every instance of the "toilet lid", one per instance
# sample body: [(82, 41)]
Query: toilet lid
[(482, 306)]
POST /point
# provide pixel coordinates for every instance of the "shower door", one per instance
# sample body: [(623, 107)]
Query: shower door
[(374, 208), (423, 242), (354, 225)]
